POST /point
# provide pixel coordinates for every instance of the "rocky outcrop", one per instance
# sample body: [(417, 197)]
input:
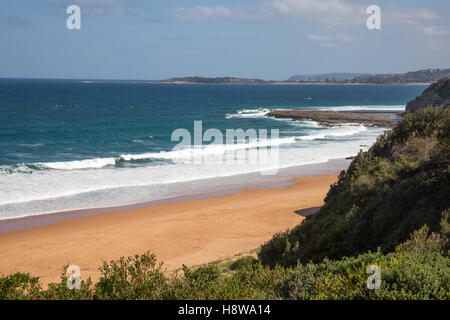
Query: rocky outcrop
[(333, 118), (436, 94)]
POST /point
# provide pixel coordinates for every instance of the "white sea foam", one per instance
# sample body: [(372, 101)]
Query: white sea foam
[(179, 154), (316, 132), (56, 186), (340, 131), (248, 113), (211, 149), (79, 164), (57, 190)]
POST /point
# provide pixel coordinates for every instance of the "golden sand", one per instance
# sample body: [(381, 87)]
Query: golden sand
[(188, 232)]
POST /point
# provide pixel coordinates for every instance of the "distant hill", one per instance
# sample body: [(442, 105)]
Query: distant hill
[(421, 76), (436, 94), (427, 75), (324, 76), (217, 80)]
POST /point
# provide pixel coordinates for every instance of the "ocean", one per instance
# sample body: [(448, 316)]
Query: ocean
[(72, 144)]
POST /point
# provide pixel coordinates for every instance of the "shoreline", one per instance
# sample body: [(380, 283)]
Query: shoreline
[(225, 186), (190, 232), (301, 83)]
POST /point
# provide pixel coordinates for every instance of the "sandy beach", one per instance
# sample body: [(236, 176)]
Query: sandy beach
[(189, 232)]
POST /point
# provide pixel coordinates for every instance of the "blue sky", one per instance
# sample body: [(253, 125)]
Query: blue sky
[(268, 39)]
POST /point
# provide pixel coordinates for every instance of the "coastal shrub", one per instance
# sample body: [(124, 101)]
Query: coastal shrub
[(277, 251), (60, 291), (138, 277), (301, 285), (418, 269), (193, 284), (19, 286), (258, 281), (404, 275), (397, 186), (252, 281), (242, 263)]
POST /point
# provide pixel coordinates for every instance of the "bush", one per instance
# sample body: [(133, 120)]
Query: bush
[(60, 291), (19, 286), (398, 185), (138, 277), (416, 270), (252, 281), (243, 263)]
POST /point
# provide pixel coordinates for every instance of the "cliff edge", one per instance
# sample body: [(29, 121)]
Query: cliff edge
[(437, 94)]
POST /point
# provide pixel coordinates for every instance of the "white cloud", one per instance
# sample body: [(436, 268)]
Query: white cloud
[(410, 16), (415, 21), (434, 31), (201, 13), (332, 40), (327, 12), (114, 7)]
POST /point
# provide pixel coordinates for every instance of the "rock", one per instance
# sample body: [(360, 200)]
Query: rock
[(336, 118), (436, 94)]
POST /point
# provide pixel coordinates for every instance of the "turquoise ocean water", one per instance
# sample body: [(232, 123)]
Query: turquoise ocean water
[(71, 144)]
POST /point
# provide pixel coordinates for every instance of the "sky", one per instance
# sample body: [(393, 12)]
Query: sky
[(265, 39)]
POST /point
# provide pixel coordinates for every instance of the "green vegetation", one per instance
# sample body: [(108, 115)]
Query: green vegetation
[(418, 269), (427, 75), (420, 76), (389, 209), (441, 87), (388, 192)]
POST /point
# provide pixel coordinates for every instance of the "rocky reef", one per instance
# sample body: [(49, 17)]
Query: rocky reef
[(331, 118)]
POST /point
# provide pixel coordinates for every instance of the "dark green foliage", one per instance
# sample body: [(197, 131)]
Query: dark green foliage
[(60, 291), (19, 286), (249, 282), (138, 277), (397, 186), (197, 284), (417, 269), (242, 263), (404, 275)]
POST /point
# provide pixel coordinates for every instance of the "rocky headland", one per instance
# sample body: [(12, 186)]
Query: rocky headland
[(438, 94)]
